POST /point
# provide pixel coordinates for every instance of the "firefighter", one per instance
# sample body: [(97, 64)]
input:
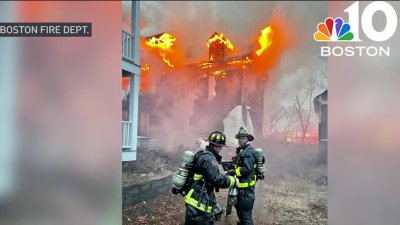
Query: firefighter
[(201, 204), (246, 172)]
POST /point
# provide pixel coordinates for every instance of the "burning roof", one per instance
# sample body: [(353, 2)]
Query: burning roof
[(267, 48), (219, 38), (163, 42)]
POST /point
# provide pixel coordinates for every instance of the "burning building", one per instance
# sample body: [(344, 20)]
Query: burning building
[(180, 96), (227, 79), (213, 88)]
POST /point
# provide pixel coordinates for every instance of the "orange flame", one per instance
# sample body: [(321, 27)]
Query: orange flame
[(247, 60), (221, 39), (265, 40), (276, 38), (145, 80), (146, 67), (164, 44), (219, 73), (164, 58), (125, 83)]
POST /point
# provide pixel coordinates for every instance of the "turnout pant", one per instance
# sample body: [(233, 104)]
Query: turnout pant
[(244, 205), (194, 216)]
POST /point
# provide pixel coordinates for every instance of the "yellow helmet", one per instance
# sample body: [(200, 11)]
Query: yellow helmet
[(217, 138)]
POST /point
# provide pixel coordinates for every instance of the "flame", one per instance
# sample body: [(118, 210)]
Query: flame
[(164, 58), (164, 44), (238, 63), (125, 83), (145, 79), (221, 39), (247, 60), (265, 40), (277, 37), (206, 65), (146, 67), (219, 73)]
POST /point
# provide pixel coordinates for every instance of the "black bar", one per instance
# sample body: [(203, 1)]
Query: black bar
[(45, 29)]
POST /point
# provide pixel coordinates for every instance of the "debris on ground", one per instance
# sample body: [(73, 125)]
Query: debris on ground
[(294, 192)]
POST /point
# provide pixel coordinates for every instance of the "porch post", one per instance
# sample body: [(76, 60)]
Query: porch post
[(134, 79), (135, 30), (133, 109)]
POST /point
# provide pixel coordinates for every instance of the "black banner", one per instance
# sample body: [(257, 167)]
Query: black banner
[(45, 29)]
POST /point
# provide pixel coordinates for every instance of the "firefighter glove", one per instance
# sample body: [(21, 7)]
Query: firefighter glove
[(231, 172)]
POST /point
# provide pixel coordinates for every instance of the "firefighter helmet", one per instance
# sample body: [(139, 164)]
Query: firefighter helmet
[(217, 138), (244, 133)]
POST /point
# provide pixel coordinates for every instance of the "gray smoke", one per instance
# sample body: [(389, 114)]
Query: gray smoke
[(239, 21), (192, 23)]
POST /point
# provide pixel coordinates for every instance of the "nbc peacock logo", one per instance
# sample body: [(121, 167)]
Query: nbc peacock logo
[(337, 31), (333, 30)]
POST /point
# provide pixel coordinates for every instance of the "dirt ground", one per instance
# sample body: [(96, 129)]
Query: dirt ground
[(294, 192)]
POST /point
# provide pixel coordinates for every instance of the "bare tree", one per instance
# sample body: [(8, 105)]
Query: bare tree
[(291, 119), (303, 105), (322, 80), (275, 116)]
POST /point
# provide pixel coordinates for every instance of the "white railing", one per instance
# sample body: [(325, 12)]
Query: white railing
[(126, 134), (127, 46)]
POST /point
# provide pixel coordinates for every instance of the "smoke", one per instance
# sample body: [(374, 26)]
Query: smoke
[(172, 101), (241, 22), (192, 23)]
